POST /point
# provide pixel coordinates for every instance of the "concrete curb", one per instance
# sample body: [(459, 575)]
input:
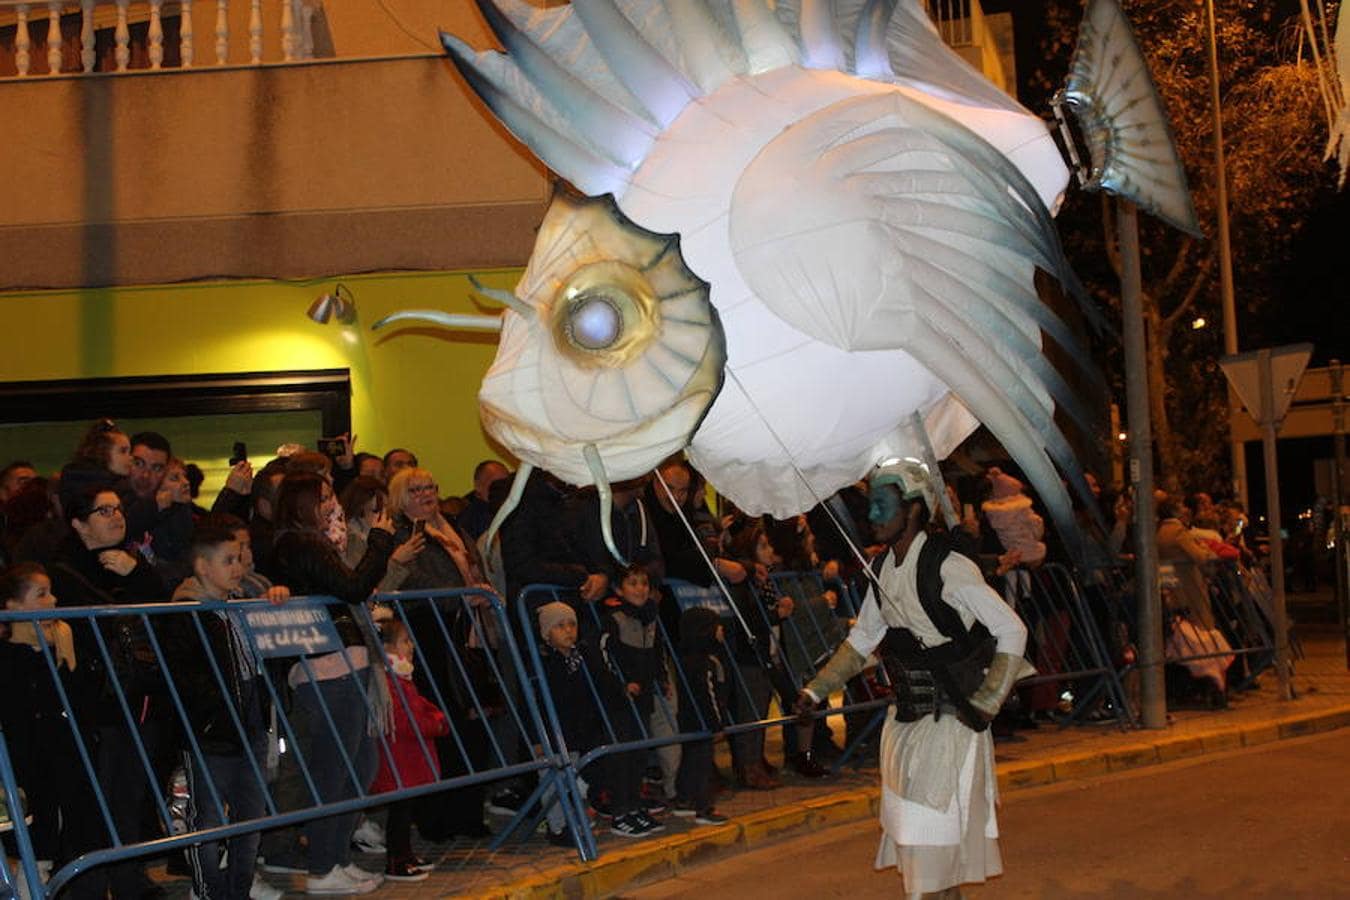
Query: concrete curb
[(663, 858)]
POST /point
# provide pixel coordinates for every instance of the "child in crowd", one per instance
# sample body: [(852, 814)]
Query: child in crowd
[(571, 668), (632, 648), (37, 732), (1009, 512), (252, 583), (233, 757), (701, 656), (407, 760)]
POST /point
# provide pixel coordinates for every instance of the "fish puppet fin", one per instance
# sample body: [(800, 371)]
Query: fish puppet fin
[(1121, 119), (879, 223)]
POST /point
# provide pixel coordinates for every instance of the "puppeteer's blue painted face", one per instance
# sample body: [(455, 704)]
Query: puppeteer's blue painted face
[(884, 504)]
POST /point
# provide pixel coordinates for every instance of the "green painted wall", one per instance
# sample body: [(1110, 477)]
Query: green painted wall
[(411, 386)]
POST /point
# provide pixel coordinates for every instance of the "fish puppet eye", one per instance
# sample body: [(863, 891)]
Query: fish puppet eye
[(615, 347), (606, 314), (593, 323)]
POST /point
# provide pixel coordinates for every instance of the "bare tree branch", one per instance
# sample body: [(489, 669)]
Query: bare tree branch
[(1178, 266), (1197, 283)]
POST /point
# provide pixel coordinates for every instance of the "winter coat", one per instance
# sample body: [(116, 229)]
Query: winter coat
[(79, 579), (1018, 526), (36, 730), (635, 536), (633, 651), (404, 754), (434, 567), (533, 539), (309, 565), (701, 657), (207, 707), (569, 678)]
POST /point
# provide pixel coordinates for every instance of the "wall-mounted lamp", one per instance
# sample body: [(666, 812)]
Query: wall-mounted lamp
[(340, 305)]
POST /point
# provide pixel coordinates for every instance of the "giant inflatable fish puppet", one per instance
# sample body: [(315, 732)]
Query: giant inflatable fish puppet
[(806, 239)]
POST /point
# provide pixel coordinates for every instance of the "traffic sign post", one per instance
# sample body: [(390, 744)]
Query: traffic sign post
[(1265, 381)]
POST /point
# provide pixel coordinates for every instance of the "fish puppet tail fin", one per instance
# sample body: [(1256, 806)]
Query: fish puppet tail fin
[(1121, 120)]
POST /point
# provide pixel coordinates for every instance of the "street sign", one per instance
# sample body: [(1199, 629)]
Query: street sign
[(1266, 380), (1245, 371), (292, 630)]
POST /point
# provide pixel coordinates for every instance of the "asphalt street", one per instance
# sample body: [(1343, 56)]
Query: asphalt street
[(1267, 822)]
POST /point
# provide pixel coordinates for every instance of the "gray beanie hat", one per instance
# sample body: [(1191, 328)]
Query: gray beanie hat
[(555, 613)]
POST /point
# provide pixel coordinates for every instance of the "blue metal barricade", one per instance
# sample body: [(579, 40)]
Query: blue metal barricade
[(1218, 623), (197, 677), (1065, 642), (1217, 628), (623, 728)]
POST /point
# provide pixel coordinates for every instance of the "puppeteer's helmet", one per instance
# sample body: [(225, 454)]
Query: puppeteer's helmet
[(910, 476)]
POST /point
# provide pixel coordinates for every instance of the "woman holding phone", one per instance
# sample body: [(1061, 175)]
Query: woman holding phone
[(450, 560), (363, 501)]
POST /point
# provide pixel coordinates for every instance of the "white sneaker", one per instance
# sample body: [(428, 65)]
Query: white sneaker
[(369, 837), (356, 873), (338, 881), (261, 890)]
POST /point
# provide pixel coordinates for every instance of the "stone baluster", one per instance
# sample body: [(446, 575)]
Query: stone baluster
[(54, 37), (222, 32), (288, 41), (87, 56), (185, 48), (156, 34), (21, 39), (255, 31), (122, 37)]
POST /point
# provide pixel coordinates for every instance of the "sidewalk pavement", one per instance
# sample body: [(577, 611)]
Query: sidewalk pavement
[(1047, 755)]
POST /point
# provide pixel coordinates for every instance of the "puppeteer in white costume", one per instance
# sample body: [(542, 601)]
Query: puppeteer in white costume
[(953, 650)]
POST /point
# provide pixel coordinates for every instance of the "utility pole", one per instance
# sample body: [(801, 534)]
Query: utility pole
[(1269, 428), (1148, 592), (1237, 449), (1339, 531)]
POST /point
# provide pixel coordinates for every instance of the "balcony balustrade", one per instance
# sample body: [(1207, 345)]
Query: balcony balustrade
[(57, 37)]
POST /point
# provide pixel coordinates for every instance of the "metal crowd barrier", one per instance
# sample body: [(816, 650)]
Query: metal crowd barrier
[(1066, 642), (1218, 620), (125, 711), (823, 612), (1224, 629), (480, 667), (803, 642)]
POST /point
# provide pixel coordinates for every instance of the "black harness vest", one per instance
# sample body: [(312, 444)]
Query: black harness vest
[(934, 680)]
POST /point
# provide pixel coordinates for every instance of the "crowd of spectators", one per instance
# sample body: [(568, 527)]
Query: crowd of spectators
[(421, 694)]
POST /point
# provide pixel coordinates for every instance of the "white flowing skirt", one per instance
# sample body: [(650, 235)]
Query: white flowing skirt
[(935, 849)]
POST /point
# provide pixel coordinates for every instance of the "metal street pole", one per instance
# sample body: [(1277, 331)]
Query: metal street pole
[(1271, 463), (1152, 698), (1236, 448), (1339, 500)]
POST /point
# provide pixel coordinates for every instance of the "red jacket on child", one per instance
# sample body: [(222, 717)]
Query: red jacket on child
[(408, 757)]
